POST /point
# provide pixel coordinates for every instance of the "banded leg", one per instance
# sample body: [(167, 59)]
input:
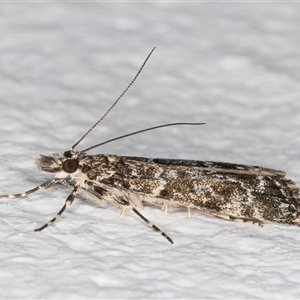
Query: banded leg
[(152, 225), (68, 202), (44, 185), (125, 203)]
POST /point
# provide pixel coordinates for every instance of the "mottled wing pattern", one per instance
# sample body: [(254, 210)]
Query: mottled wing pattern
[(231, 191)]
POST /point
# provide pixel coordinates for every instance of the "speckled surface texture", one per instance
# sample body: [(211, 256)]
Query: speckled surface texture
[(234, 66)]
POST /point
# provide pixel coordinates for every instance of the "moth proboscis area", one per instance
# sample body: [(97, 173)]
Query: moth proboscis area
[(230, 191)]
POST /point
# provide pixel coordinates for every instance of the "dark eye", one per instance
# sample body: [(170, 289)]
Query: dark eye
[(70, 165)]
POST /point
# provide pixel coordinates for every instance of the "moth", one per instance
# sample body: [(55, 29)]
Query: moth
[(230, 191)]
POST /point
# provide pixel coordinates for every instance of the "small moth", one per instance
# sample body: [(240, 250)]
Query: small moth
[(229, 191)]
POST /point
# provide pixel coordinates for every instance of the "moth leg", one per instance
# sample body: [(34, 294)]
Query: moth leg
[(242, 220), (68, 202), (122, 211), (189, 211), (44, 185), (152, 225), (165, 207), (125, 203)]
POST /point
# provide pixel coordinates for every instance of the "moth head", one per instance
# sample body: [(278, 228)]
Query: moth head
[(66, 163)]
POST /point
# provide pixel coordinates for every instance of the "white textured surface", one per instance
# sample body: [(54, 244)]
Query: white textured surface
[(234, 66)]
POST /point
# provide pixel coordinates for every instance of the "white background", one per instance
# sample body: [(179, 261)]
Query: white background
[(234, 66)]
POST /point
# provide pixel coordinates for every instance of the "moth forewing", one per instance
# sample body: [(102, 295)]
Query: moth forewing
[(230, 191), (235, 192)]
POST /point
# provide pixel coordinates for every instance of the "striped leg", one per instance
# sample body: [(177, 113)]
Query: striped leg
[(152, 225), (125, 203), (68, 202), (44, 185)]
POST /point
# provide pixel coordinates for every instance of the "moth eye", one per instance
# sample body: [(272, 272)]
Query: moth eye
[(70, 165)]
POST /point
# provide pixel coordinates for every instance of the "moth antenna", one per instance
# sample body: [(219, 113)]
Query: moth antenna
[(115, 103), (137, 132)]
